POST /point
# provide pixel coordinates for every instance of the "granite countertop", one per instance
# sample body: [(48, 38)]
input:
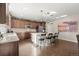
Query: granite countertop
[(9, 37)]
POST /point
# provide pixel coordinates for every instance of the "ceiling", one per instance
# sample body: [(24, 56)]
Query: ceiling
[(32, 11)]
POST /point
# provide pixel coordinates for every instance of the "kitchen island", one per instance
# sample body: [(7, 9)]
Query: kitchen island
[(35, 37)]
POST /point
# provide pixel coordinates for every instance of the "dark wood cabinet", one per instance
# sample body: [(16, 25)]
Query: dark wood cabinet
[(20, 23), (9, 49), (2, 13), (24, 35)]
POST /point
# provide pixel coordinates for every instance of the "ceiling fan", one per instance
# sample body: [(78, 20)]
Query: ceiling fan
[(46, 14)]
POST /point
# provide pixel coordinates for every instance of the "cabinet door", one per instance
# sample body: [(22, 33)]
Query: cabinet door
[(9, 49), (2, 13)]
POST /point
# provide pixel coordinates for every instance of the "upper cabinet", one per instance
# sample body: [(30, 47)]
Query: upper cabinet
[(2, 13)]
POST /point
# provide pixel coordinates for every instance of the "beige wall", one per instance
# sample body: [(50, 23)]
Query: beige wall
[(68, 36)]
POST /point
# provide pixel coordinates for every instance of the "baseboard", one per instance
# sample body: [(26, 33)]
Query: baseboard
[(68, 41)]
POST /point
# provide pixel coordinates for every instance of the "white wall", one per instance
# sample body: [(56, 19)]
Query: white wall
[(68, 36), (49, 27)]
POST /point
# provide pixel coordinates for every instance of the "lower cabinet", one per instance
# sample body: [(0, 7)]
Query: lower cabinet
[(23, 36), (9, 49)]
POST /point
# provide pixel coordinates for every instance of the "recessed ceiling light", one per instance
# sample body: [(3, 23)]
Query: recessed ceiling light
[(63, 16), (57, 17), (25, 9), (53, 12)]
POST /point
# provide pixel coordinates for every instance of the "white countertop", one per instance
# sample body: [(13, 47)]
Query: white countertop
[(23, 30), (38, 33), (9, 37)]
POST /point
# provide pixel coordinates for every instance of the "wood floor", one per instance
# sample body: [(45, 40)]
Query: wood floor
[(60, 48)]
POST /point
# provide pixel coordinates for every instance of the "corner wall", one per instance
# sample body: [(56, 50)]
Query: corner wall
[(68, 36)]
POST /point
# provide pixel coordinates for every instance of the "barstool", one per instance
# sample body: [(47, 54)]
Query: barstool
[(49, 38), (41, 41), (77, 38), (78, 42)]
